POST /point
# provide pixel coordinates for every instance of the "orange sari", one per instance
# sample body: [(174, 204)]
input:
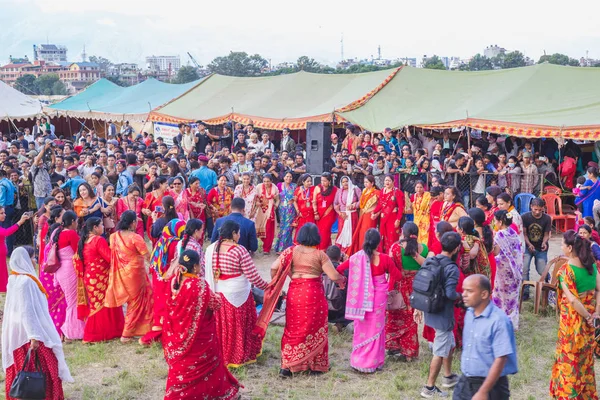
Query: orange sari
[(128, 282), (368, 203)]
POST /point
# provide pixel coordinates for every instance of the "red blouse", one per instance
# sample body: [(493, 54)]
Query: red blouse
[(386, 265), (68, 237)]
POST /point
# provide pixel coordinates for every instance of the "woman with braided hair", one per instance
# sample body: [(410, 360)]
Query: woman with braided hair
[(229, 271), (191, 344), (164, 252), (92, 263)]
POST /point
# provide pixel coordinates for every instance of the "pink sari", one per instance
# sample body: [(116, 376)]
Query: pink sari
[(57, 304), (66, 278), (366, 303)]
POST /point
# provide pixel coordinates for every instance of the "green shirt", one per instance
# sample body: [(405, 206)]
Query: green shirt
[(409, 263), (583, 280)]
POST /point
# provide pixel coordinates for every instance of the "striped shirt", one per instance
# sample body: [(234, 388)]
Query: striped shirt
[(237, 261)]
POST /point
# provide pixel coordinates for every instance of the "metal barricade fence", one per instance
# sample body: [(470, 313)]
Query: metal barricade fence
[(471, 186)]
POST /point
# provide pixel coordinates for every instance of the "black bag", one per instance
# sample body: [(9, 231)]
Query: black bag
[(428, 286), (29, 385), (336, 297)]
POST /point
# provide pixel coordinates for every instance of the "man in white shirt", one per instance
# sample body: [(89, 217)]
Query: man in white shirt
[(266, 143), (188, 140)]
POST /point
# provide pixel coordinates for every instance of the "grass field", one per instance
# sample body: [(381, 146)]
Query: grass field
[(112, 370)]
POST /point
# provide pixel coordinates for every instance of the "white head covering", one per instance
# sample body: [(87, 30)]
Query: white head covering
[(344, 239), (26, 315)]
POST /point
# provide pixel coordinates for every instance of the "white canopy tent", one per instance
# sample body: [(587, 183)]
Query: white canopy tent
[(17, 106)]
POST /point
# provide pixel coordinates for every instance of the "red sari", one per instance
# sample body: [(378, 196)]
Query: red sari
[(151, 202), (368, 202), (391, 207), (306, 213), (191, 345), (401, 331), (327, 215), (198, 197), (48, 364), (436, 213), (101, 323), (123, 204)]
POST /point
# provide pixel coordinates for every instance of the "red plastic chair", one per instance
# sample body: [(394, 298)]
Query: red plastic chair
[(552, 190), (554, 210)]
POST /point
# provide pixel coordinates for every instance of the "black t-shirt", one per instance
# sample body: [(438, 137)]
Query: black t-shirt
[(203, 141), (536, 228)]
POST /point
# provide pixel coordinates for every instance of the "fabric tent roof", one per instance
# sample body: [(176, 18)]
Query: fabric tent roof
[(16, 105), (539, 101), (107, 100), (273, 102)]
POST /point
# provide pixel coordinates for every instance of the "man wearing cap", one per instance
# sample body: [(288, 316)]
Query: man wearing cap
[(389, 142), (287, 143), (530, 177), (204, 137), (126, 129), (74, 181), (336, 145)]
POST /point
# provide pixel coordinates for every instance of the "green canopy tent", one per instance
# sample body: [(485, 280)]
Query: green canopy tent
[(539, 101), (273, 102)]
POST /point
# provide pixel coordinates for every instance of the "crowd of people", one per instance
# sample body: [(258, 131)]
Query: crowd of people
[(168, 231)]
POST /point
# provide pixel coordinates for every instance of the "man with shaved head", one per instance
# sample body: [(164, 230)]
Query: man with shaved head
[(489, 349)]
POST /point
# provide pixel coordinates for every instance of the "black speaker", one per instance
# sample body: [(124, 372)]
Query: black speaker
[(318, 146)]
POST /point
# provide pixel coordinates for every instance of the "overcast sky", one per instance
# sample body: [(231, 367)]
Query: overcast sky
[(129, 30)]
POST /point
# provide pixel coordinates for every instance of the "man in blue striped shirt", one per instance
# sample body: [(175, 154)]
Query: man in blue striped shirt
[(125, 179)]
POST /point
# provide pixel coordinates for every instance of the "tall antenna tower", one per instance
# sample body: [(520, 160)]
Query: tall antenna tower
[(83, 54), (342, 45), (379, 52)]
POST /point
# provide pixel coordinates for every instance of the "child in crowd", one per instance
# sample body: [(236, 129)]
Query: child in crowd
[(336, 297)]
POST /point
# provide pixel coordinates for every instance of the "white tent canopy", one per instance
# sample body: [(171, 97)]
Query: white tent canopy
[(15, 105)]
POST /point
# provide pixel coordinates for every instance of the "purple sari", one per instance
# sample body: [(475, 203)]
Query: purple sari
[(509, 274), (587, 197), (366, 304)]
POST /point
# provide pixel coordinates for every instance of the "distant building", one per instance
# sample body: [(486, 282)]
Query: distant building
[(588, 62), (76, 76), (49, 53), (493, 51), (126, 72), (162, 64), (411, 62), (345, 64), (18, 60), (284, 65)]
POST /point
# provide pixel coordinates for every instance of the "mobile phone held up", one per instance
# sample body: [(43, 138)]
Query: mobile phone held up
[(159, 209)]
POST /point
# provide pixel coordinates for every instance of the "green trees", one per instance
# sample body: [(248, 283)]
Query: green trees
[(434, 63), (48, 85), (559, 59), (478, 63), (186, 74), (238, 63)]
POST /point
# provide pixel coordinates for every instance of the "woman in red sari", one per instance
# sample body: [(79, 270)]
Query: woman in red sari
[(92, 263), (164, 252), (325, 216), (367, 218), (435, 212), (219, 199), (132, 202), (401, 330), (191, 345), (263, 211), (391, 210), (196, 199), (303, 198), (304, 345), (153, 200), (452, 209)]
